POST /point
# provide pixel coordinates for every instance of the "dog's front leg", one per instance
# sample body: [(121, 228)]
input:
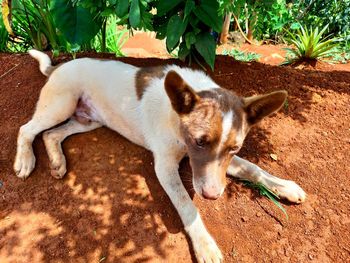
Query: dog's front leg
[(205, 248), (246, 170)]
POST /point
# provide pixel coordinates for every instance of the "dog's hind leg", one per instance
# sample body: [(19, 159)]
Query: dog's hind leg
[(246, 170), (54, 106), (53, 138)]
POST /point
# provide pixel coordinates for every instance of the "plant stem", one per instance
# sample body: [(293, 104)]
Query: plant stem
[(240, 30), (103, 40)]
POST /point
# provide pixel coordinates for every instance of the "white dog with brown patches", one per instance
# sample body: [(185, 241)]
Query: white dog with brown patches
[(169, 110)]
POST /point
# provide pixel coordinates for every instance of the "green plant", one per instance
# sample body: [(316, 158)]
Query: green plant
[(34, 24), (264, 19), (267, 193), (187, 24), (54, 24), (310, 45), (78, 24), (340, 55), (3, 37), (335, 14), (115, 38), (241, 55)]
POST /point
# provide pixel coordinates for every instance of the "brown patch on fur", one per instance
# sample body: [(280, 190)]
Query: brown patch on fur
[(205, 121), (228, 101), (144, 76), (182, 97), (258, 107)]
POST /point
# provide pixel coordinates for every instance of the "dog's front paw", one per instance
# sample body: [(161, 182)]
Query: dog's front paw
[(290, 190), (24, 164), (58, 167), (206, 250)]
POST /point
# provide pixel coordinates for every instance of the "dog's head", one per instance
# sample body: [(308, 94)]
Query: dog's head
[(214, 124)]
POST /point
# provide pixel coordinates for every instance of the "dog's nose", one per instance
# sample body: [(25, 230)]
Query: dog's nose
[(210, 193)]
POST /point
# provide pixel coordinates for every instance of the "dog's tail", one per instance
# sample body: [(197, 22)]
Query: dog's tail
[(44, 61)]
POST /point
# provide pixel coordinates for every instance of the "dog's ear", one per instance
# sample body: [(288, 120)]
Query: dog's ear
[(258, 107), (182, 96)]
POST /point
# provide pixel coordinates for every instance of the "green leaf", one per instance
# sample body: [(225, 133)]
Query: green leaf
[(135, 14), (190, 38), (183, 51), (264, 191), (76, 23), (208, 13), (161, 31), (194, 22), (107, 12), (272, 196), (166, 5), (176, 28), (122, 8), (190, 4), (206, 47)]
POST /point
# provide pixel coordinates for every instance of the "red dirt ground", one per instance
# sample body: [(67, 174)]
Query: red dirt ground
[(111, 208)]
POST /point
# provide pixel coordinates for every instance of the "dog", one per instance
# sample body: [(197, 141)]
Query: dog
[(169, 110)]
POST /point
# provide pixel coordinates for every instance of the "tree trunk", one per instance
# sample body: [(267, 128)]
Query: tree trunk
[(251, 24), (225, 29), (250, 34)]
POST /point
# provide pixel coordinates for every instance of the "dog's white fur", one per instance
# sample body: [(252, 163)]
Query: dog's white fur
[(108, 88)]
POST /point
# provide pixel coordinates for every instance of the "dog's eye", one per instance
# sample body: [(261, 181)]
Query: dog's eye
[(200, 142), (234, 149)]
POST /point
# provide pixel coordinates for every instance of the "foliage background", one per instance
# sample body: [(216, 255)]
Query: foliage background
[(189, 26)]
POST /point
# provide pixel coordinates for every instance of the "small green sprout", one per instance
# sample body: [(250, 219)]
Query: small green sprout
[(268, 193)]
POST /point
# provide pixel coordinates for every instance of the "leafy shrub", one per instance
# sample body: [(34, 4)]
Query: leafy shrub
[(309, 45), (264, 19), (78, 24), (34, 24), (61, 25), (335, 14), (115, 38), (187, 24), (73, 24)]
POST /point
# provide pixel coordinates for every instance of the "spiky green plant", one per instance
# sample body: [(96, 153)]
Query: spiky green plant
[(115, 38), (309, 45), (264, 191), (34, 24)]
